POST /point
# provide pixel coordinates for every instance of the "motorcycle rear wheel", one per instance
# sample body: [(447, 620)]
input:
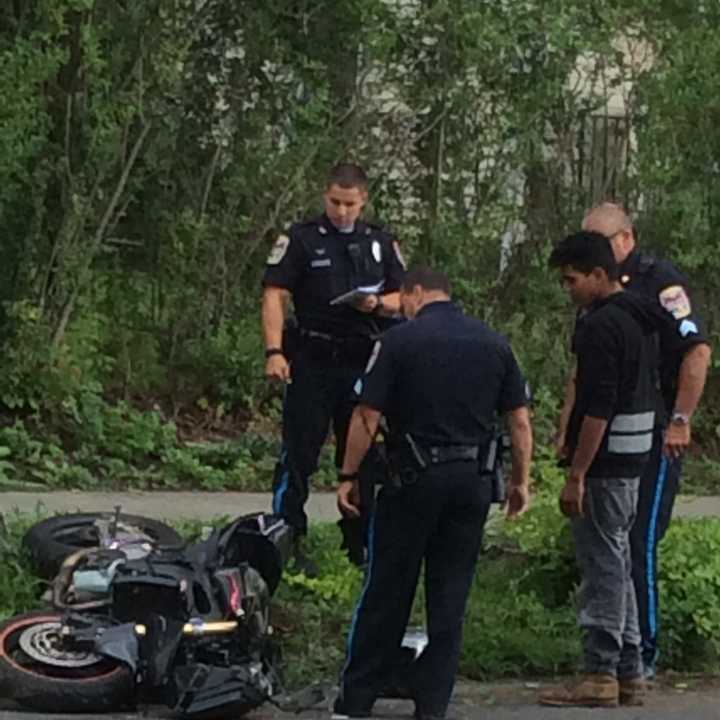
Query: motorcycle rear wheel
[(37, 672), (51, 540)]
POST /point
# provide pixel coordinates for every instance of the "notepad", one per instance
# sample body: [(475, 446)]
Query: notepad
[(358, 293)]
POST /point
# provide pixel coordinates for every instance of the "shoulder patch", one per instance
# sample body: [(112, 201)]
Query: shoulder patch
[(687, 327), (399, 255), (373, 357), (278, 250), (676, 301)]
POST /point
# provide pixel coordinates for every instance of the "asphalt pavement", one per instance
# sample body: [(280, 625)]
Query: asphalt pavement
[(676, 700)]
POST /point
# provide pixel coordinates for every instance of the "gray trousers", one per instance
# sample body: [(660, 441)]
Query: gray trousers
[(607, 606)]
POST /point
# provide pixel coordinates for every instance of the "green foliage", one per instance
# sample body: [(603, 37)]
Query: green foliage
[(689, 580), (19, 589), (118, 447), (510, 629), (149, 152)]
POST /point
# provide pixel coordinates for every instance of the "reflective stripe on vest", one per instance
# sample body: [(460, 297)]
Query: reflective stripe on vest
[(631, 433)]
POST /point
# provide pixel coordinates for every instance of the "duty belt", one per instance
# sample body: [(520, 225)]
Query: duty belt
[(336, 339), (449, 453)]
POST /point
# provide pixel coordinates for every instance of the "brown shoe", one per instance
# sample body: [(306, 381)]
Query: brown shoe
[(632, 691), (600, 690)]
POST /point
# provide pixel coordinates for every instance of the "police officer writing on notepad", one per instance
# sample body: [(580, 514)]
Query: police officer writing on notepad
[(440, 380), (317, 263)]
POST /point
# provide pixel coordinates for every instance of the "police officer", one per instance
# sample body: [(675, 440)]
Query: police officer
[(682, 377), (315, 264), (439, 380)]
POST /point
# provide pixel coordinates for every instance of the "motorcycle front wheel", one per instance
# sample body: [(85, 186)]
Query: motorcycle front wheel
[(40, 673)]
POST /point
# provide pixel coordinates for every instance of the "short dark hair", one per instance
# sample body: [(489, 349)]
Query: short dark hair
[(348, 175), (584, 251), (427, 279)]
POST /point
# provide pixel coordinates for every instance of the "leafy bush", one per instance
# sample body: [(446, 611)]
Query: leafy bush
[(121, 447), (19, 588), (689, 580)]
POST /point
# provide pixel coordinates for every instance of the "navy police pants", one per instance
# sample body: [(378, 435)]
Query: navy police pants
[(319, 396), (658, 487), (439, 519)]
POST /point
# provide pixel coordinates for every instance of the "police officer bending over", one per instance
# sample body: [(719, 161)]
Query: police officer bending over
[(317, 262), (682, 372), (439, 380)]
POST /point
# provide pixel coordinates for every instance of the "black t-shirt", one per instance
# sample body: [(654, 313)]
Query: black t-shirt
[(443, 377), (317, 263)]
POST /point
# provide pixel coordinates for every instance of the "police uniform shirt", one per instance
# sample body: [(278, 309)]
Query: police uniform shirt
[(442, 377), (662, 281), (317, 263)]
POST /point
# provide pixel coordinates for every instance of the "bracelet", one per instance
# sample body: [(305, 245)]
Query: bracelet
[(273, 351), (347, 477)]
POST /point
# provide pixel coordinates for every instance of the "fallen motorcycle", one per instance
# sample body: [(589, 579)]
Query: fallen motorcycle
[(135, 622)]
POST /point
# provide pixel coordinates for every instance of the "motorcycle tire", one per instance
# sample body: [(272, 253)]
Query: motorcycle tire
[(51, 540), (39, 674)]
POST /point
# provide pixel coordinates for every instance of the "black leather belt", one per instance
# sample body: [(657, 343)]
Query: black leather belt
[(450, 453)]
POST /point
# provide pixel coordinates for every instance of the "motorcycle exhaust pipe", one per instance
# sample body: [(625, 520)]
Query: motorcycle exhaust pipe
[(199, 628)]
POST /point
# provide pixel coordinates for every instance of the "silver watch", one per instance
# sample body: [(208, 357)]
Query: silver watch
[(678, 418)]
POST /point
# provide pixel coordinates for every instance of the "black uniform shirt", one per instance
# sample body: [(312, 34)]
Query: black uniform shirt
[(663, 282), (443, 377), (317, 263)]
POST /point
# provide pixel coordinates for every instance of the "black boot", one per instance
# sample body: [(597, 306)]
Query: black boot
[(353, 541), (302, 562)]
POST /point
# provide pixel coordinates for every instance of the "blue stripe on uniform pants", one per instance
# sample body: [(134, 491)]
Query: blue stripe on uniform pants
[(366, 584), (279, 494), (652, 542), (277, 504)]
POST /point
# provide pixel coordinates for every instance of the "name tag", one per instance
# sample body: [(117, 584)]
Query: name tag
[(325, 262)]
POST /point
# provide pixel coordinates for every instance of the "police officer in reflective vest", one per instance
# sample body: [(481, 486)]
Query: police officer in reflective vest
[(682, 376), (440, 380), (317, 263)]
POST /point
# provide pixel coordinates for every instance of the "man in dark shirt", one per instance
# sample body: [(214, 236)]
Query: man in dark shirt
[(608, 439), (440, 380), (317, 262), (682, 377)]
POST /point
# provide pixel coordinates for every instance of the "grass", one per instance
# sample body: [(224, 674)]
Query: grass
[(701, 476)]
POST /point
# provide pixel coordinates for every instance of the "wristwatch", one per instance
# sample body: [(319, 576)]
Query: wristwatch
[(273, 351), (678, 418)]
